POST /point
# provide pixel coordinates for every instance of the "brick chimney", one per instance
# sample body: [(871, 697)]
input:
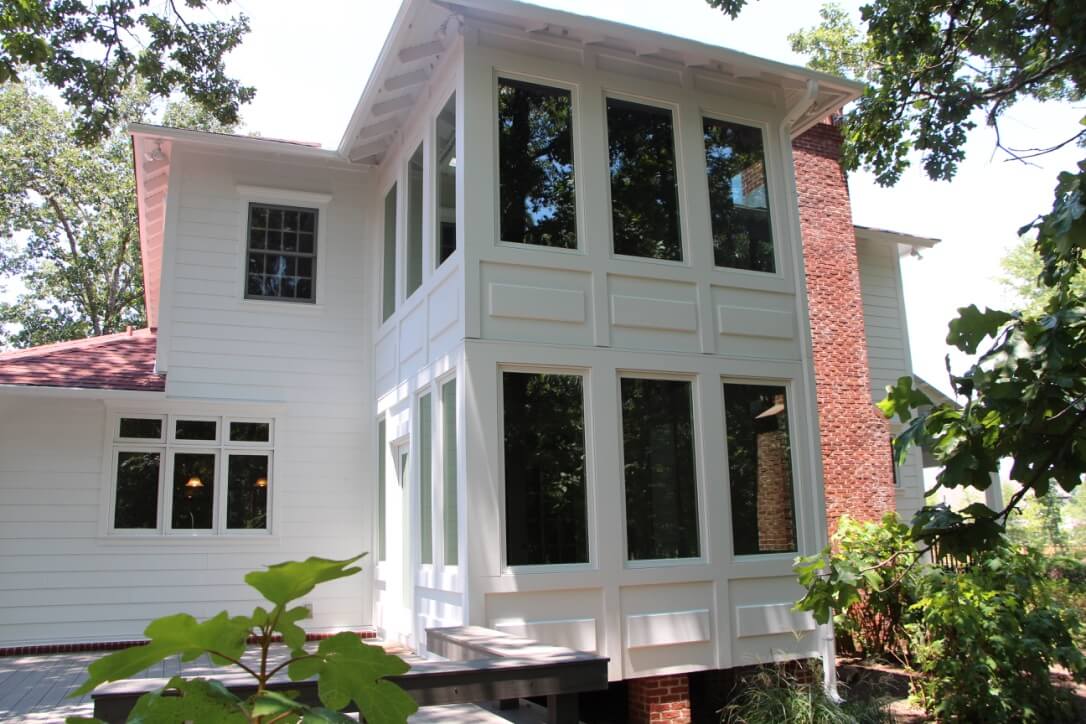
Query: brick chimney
[(856, 461)]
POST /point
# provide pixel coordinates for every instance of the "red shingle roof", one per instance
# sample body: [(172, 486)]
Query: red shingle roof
[(124, 361)]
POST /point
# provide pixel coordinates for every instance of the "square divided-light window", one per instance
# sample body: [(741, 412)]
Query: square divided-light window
[(658, 464), (760, 469), (738, 196), (537, 202), (282, 253), (209, 475), (644, 182), (546, 513)]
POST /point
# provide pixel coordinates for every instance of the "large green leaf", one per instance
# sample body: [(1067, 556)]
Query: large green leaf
[(348, 669), (177, 635), (185, 700), (285, 582)]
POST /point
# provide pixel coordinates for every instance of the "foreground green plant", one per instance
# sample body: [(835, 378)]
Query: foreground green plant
[(774, 695), (346, 668)]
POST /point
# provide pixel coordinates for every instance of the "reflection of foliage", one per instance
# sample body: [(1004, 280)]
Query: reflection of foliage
[(644, 188), (735, 161), (192, 506), (246, 500), (658, 451), (544, 469), (535, 150), (137, 490)]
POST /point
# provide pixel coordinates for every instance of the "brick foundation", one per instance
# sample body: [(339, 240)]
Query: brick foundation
[(659, 699), (855, 459)]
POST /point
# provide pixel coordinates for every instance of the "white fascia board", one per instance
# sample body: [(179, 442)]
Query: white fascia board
[(80, 393)]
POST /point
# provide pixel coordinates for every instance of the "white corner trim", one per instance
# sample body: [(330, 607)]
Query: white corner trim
[(274, 194)]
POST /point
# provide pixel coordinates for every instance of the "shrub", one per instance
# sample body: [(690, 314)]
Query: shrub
[(986, 637), (346, 668), (775, 695)]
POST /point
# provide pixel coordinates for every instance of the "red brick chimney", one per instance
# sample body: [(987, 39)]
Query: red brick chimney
[(856, 460)]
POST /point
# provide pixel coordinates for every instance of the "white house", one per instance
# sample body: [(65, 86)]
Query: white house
[(537, 335)]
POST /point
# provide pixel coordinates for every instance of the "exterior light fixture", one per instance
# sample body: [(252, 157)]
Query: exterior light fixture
[(194, 482)]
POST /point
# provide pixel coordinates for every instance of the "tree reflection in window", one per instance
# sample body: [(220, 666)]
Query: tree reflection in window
[(644, 187), (193, 491), (545, 498), (247, 492), (535, 162), (137, 490), (738, 202)]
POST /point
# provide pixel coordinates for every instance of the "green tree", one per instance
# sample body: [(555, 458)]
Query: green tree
[(69, 236), (92, 52), (1021, 270)]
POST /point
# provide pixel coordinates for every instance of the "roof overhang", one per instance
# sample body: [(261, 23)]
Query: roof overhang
[(424, 30), (905, 243)]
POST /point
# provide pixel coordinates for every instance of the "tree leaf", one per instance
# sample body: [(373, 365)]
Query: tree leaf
[(183, 700), (285, 582)]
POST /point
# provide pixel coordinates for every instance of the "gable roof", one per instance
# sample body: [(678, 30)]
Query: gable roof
[(124, 361)]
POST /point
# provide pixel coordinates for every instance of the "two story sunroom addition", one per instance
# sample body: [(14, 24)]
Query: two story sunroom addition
[(595, 410)]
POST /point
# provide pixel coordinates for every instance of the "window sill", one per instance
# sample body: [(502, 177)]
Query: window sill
[(160, 539)]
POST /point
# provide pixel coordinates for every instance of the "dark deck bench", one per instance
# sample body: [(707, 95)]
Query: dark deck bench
[(483, 665)]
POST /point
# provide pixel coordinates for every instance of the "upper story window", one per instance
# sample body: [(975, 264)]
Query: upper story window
[(282, 253), (537, 202), (388, 277), (644, 183), (414, 222), (190, 474), (738, 198), (446, 181)]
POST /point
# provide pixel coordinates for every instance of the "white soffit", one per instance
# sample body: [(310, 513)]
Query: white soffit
[(425, 29), (906, 243)]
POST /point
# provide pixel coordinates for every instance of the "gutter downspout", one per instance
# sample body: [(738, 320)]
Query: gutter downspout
[(802, 105)]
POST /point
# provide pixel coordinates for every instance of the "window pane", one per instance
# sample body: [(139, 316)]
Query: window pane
[(195, 430), (250, 431), (193, 491), (287, 229), (426, 500), (658, 453), (644, 190), (388, 304), (738, 201), (535, 164), (247, 492), (448, 457), (545, 500), (382, 481), (760, 469), (137, 490), (446, 180), (141, 428), (414, 221)]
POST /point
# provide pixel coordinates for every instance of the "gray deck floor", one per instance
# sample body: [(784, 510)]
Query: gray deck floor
[(36, 688)]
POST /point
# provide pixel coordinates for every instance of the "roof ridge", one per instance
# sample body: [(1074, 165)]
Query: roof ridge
[(86, 342)]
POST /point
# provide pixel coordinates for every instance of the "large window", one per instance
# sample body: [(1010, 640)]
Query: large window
[(546, 519), (426, 491), (644, 186), (535, 164), (448, 462), (388, 277), (760, 469), (738, 200), (414, 222), (382, 491), (282, 253), (445, 155), (191, 474), (658, 463)]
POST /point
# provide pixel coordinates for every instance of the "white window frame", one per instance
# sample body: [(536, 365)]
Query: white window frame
[(168, 446)]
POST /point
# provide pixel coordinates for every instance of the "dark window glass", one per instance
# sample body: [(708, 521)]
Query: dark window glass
[(545, 499), (141, 428), (388, 303), (658, 455), (382, 482), (535, 164), (426, 494), (282, 248), (247, 492), (193, 491), (760, 469), (738, 200), (137, 490), (250, 432), (414, 221), (448, 459), (446, 180), (644, 189), (195, 430)]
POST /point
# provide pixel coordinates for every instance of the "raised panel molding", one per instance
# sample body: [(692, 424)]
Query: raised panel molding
[(540, 303), (574, 633), (752, 322), (647, 313), (771, 618), (668, 629)]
